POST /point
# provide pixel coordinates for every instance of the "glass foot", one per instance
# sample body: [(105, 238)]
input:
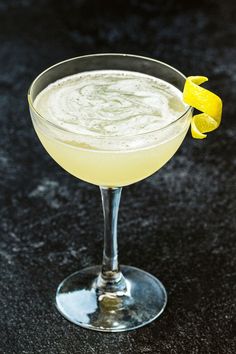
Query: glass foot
[(142, 302)]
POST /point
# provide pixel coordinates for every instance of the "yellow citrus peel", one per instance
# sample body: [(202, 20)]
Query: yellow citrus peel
[(205, 101)]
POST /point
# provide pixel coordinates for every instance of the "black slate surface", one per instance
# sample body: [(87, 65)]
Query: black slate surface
[(179, 224)]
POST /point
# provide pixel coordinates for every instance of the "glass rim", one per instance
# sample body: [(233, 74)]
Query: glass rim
[(31, 104)]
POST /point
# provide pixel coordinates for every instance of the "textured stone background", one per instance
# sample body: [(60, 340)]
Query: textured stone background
[(179, 224)]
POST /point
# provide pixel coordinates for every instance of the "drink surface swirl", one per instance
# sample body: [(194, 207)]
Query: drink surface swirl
[(110, 103)]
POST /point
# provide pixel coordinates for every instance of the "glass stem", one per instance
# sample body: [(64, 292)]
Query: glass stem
[(110, 278)]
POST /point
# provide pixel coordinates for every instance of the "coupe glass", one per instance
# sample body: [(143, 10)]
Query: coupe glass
[(110, 297)]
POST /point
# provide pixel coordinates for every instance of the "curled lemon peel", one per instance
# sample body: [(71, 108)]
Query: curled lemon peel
[(205, 101)]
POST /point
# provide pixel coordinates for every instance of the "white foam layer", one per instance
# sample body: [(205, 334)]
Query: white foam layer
[(110, 103)]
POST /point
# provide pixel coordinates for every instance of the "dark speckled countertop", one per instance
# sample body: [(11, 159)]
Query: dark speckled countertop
[(179, 224)]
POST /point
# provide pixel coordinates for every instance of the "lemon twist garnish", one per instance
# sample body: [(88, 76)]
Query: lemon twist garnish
[(205, 101)]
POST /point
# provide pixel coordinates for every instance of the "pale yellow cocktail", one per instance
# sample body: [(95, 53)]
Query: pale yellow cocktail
[(111, 120), (113, 127)]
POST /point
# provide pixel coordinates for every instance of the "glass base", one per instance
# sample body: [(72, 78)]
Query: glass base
[(79, 301)]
